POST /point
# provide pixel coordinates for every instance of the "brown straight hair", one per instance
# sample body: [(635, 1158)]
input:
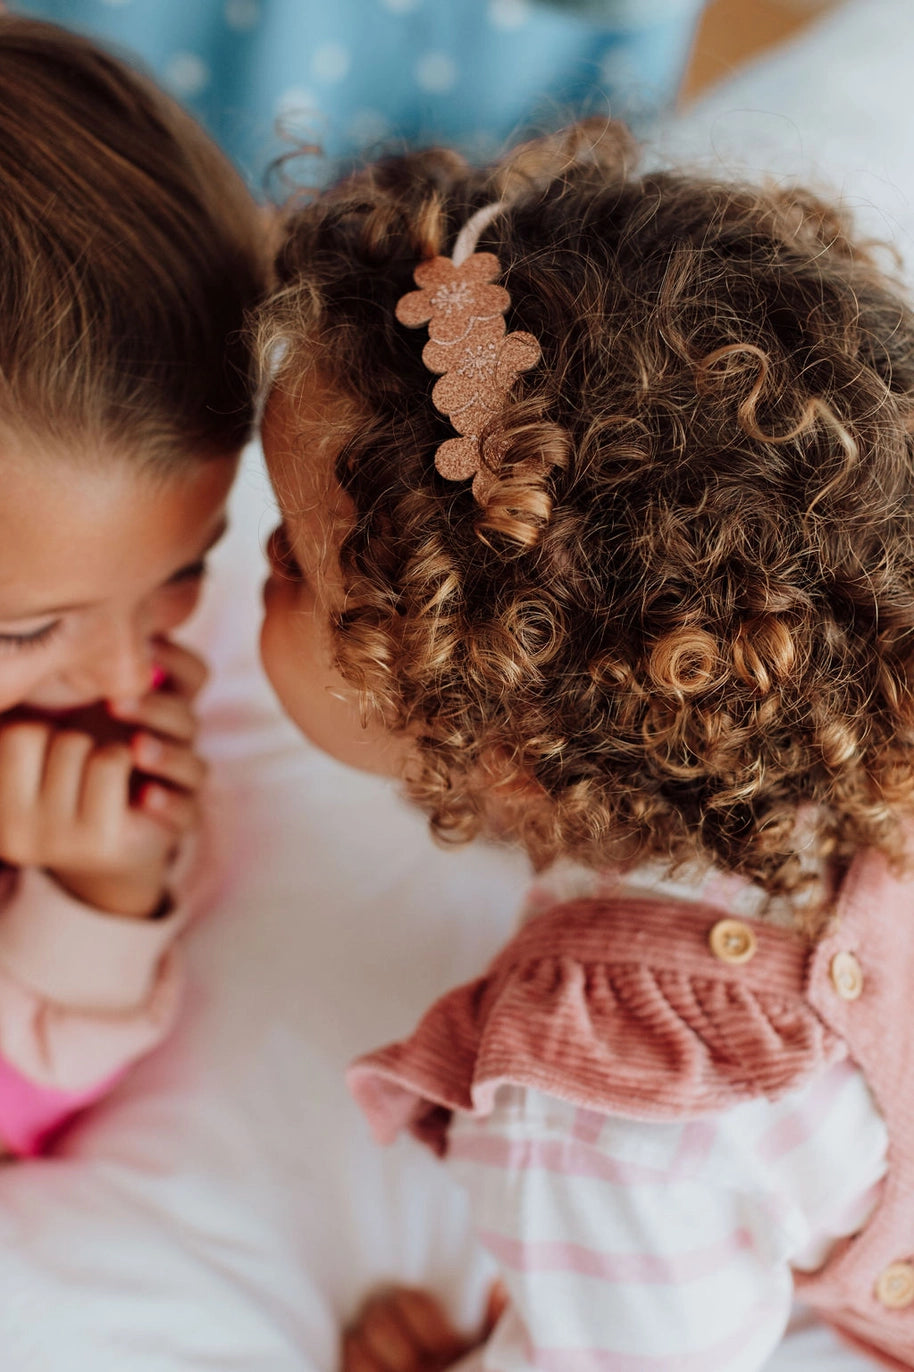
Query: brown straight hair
[(131, 252)]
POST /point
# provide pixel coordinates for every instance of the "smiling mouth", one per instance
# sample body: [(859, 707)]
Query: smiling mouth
[(91, 718), (58, 713)]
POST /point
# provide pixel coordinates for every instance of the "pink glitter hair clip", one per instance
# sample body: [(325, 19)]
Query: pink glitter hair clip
[(477, 360)]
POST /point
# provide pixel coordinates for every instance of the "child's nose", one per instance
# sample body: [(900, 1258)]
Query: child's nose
[(123, 667)]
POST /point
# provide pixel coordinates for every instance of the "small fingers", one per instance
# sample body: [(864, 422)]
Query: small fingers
[(356, 1357), (428, 1325), (172, 762), (64, 770), (496, 1305), (106, 791), (385, 1336), (159, 713), (403, 1330), (175, 809), (185, 672), (23, 747)]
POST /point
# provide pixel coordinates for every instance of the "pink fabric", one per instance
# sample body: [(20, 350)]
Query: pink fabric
[(613, 1006), (552, 1256), (573, 1360), (681, 1228), (563, 1158), (74, 955), (620, 1006), (30, 1115), (82, 995)]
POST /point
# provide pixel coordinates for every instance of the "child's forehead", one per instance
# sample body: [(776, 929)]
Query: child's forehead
[(79, 533)]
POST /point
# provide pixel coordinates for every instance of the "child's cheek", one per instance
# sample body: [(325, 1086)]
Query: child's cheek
[(175, 604), (277, 637), (18, 679)]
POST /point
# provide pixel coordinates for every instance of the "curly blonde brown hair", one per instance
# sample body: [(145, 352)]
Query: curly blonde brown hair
[(694, 622)]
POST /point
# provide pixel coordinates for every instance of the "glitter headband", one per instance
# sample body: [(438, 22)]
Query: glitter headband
[(467, 345)]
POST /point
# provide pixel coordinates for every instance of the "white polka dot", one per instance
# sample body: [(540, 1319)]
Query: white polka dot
[(294, 101), (401, 6), (330, 62), (367, 127), (619, 72), (242, 15), (299, 118), (508, 14), (646, 13), (436, 73), (186, 73)]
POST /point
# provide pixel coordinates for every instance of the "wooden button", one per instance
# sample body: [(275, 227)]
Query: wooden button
[(846, 975), (895, 1287), (732, 941)]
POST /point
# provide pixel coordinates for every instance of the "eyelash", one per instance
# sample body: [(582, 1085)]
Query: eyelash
[(194, 573), (37, 639), (33, 640)]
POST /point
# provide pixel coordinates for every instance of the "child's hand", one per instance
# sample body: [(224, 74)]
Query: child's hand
[(67, 802), (405, 1330)]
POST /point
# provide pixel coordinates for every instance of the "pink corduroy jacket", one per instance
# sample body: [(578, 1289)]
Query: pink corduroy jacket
[(655, 1009)]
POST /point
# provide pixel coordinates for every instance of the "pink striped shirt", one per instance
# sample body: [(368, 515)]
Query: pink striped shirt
[(650, 1247), (646, 1245)]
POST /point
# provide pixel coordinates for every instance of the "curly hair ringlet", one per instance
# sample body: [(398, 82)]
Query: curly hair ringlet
[(689, 622)]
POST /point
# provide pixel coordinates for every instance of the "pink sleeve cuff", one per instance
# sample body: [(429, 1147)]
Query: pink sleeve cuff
[(30, 1115), (77, 957)]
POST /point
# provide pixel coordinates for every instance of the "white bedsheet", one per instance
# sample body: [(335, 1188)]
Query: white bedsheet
[(226, 1208)]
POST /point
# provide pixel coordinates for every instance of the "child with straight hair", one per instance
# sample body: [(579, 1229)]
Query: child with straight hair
[(129, 254), (598, 528)]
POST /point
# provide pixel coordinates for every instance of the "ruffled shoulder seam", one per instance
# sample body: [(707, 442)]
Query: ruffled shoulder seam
[(576, 1006)]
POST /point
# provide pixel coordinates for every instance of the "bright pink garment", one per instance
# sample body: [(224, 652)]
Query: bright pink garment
[(30, 1115), (82, 995)]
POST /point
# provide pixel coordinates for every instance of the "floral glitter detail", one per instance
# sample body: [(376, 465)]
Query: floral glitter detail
[(478, 361)]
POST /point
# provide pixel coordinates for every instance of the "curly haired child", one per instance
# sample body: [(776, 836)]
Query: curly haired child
[(598, 529), (129, 254)]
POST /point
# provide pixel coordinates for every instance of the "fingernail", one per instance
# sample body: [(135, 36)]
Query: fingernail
[(123, 707), (159, 677), (147, 747), (154, 797)]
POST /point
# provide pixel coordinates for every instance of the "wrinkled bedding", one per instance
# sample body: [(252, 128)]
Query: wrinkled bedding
[(226, 1209)]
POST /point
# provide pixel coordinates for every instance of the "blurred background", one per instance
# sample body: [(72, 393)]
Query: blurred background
[(353, 74)]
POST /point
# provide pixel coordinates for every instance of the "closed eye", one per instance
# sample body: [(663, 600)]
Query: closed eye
[(34, 639), (194, 572)]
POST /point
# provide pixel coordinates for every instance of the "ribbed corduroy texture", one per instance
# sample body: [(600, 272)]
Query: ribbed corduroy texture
[(622, 1007)]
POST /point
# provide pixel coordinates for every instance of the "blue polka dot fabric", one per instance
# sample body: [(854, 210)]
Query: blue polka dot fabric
[(354, 74)]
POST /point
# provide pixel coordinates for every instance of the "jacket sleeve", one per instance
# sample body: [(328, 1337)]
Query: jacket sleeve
[(82, 995)]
